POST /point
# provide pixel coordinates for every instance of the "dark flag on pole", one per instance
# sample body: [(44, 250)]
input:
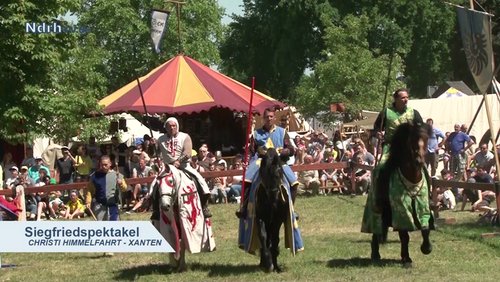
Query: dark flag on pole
[(475, 30), (159, 21)]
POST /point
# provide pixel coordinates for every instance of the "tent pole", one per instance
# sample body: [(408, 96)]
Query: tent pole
[(475, 116), (497, 161)]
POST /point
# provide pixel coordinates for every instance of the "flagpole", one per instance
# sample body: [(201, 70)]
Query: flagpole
[(492, 134), (178, 13), (146, 122), (247, 140)]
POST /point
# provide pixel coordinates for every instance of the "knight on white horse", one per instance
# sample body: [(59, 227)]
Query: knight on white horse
[(178, 215)]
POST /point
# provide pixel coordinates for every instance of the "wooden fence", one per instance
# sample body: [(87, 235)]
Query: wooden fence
[(340, 165)]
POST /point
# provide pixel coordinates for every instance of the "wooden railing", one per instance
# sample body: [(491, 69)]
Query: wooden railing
[(208, 174), (340, 165)]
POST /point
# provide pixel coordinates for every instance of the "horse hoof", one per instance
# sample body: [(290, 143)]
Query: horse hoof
[(426, 248), (181, 269), (278, 269), (407, 265), (375, 256), (269, 269), (407, 262)]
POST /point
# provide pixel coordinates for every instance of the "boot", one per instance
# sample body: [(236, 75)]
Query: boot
[(242, 213), (204, 205)]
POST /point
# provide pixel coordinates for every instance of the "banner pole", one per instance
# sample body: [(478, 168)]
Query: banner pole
[(247, 139), (490, 123), (146, 120)]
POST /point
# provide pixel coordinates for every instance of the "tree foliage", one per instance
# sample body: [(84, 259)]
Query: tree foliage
[(275, 41), (352, 73), (422, 34), (50, 82), (26, 87), (121, 31)]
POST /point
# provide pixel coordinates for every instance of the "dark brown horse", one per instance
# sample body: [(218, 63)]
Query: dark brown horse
[(272, 209), (401, 194)]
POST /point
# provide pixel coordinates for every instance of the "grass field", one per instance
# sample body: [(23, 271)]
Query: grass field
[(335, 250)]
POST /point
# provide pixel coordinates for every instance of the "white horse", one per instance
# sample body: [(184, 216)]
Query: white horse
[(178, 216)]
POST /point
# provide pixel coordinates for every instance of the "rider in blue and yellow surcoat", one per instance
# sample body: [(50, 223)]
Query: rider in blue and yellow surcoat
[(269, 136)]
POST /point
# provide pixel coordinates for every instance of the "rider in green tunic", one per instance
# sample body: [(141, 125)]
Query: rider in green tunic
[(385, 125), (389, 119)]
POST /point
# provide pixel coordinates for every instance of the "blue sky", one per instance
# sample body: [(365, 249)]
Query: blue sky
[(232, 7)]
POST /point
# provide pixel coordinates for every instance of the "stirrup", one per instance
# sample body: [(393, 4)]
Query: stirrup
[(206, 213), (241, 214)]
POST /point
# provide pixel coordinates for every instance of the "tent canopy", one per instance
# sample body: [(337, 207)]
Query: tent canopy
[(452, 89), (184, 85), (459, 111)]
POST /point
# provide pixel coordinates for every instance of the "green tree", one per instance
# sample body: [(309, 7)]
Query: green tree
[(121, 30), (427, 29), (352, 73), (26, 65), (275, 41), (50, 82)]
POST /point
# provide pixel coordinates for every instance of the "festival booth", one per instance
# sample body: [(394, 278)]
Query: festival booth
[(209, 105)]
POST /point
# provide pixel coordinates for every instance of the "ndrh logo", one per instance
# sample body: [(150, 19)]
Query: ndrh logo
[(53, 27)]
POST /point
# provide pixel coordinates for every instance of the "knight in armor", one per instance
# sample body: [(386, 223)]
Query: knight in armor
[(176, 149)]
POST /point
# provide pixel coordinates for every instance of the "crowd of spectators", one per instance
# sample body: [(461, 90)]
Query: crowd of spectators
[(316, 147), (76, 164), (461, 160), (454, 153)]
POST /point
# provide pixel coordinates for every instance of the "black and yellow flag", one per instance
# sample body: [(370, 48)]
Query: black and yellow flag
[(475, 30)]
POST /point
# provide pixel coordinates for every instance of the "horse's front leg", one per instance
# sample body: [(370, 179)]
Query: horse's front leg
[(274, 233), (179, 265), (375, 256), (426, 246), (404, 237), (182, 267), (265, 256)]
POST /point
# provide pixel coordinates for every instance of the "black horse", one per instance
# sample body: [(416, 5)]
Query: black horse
[(272, 209), (401, 196)]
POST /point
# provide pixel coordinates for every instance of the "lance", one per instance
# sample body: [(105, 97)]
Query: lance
[(387, 81), (247, 140), (146, 119)]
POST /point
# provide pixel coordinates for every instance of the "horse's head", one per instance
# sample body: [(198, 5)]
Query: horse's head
[(166, 186), (409, 145), (271, 172)]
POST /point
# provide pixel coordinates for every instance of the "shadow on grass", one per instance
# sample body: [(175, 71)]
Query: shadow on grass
[(470, 231), (212, 270), (349, 199), (133, 273), (368, 240), (217, 269), (361, 262)]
